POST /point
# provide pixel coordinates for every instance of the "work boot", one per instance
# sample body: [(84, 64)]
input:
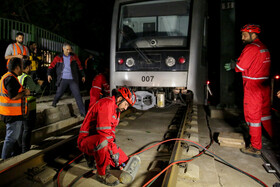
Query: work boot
[(108, 179), (251, 151)]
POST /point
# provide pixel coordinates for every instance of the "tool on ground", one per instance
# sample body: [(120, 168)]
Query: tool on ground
[(130, 170)]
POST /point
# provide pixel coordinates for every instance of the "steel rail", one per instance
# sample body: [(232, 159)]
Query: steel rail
[(170, 178)]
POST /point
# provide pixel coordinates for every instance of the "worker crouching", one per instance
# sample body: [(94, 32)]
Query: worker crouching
[(97, 133)]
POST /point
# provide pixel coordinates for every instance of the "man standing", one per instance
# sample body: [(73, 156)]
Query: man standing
[(35, 58), (13, 106), (68, 67), (97, 133), (16, 50), (99, 84), (27, 82), (254, 63)]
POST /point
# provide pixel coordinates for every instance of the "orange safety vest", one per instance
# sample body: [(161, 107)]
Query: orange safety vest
[(9, 107), (17, 51)]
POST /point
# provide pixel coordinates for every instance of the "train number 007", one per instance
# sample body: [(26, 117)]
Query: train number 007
[(147, 78)]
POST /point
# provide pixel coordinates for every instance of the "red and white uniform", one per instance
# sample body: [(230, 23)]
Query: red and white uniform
[(99, 82), (254, 63), (97, 134)]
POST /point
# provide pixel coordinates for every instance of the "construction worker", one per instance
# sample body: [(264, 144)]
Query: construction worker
[(27, 82), (100, 85), (35, 59), (91, 70), (254, 63), (13, 106), (97, 133), (16, 50)]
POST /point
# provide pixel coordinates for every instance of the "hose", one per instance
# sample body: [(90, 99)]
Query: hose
[(204, 149), (67, 164), (190, 159)]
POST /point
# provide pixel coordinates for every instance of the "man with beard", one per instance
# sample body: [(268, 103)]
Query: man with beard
[(16, 50), (13, 106), (254, 63), (97, 133), (27, 82)]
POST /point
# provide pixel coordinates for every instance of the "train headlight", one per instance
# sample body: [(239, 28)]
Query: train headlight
[(170, 61), (130, 62)]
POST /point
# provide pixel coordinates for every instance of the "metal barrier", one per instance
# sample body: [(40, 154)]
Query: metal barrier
[(45, 39)]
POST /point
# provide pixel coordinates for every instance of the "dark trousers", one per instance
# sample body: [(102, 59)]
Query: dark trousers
[(74, 87), (28, 126)]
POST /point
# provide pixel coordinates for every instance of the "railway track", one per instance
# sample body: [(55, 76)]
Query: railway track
[(42, 166)]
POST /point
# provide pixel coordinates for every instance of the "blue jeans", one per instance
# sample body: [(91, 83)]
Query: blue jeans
[(74, 87), (12, 139)]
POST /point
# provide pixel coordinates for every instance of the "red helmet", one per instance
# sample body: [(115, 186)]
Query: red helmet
[(251, 28), (128, 95)]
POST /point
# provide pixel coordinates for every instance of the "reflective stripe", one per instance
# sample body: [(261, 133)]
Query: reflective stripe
[(96, 87), (10, 104), (256, 44), (22, 77), (115, 117), (255, 78), (109, 137), (4, 95), (264, 50), (102, 128), (239, 67), (5, 76), (254, 124), (84, 131), (101, 145), (265, 118)]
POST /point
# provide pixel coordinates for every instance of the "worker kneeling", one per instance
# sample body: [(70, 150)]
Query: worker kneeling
[(97, 133)]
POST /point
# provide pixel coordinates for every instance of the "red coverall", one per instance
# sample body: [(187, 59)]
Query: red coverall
[(97, 134), (98, 83), (254, 63)]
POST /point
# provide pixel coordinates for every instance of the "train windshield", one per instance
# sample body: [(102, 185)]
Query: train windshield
[(154, 24)]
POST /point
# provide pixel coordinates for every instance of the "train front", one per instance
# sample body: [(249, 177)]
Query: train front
[(150, 51)]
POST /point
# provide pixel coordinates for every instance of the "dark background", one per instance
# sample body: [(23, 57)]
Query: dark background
[(87, 23), (84, 22)]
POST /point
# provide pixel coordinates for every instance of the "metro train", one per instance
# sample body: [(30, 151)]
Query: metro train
[(158, 50)]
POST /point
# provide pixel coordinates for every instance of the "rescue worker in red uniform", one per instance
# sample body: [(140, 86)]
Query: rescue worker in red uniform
[(254, 63), (97, 133), (99, 85)]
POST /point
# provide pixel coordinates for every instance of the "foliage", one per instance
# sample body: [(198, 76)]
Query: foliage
[(74, 20)]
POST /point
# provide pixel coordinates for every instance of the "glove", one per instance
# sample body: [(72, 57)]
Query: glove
[(278, 94), (229, 66), (115, 158)]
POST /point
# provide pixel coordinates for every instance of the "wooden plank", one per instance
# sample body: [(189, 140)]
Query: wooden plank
[(232, 144), (231, 137)]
